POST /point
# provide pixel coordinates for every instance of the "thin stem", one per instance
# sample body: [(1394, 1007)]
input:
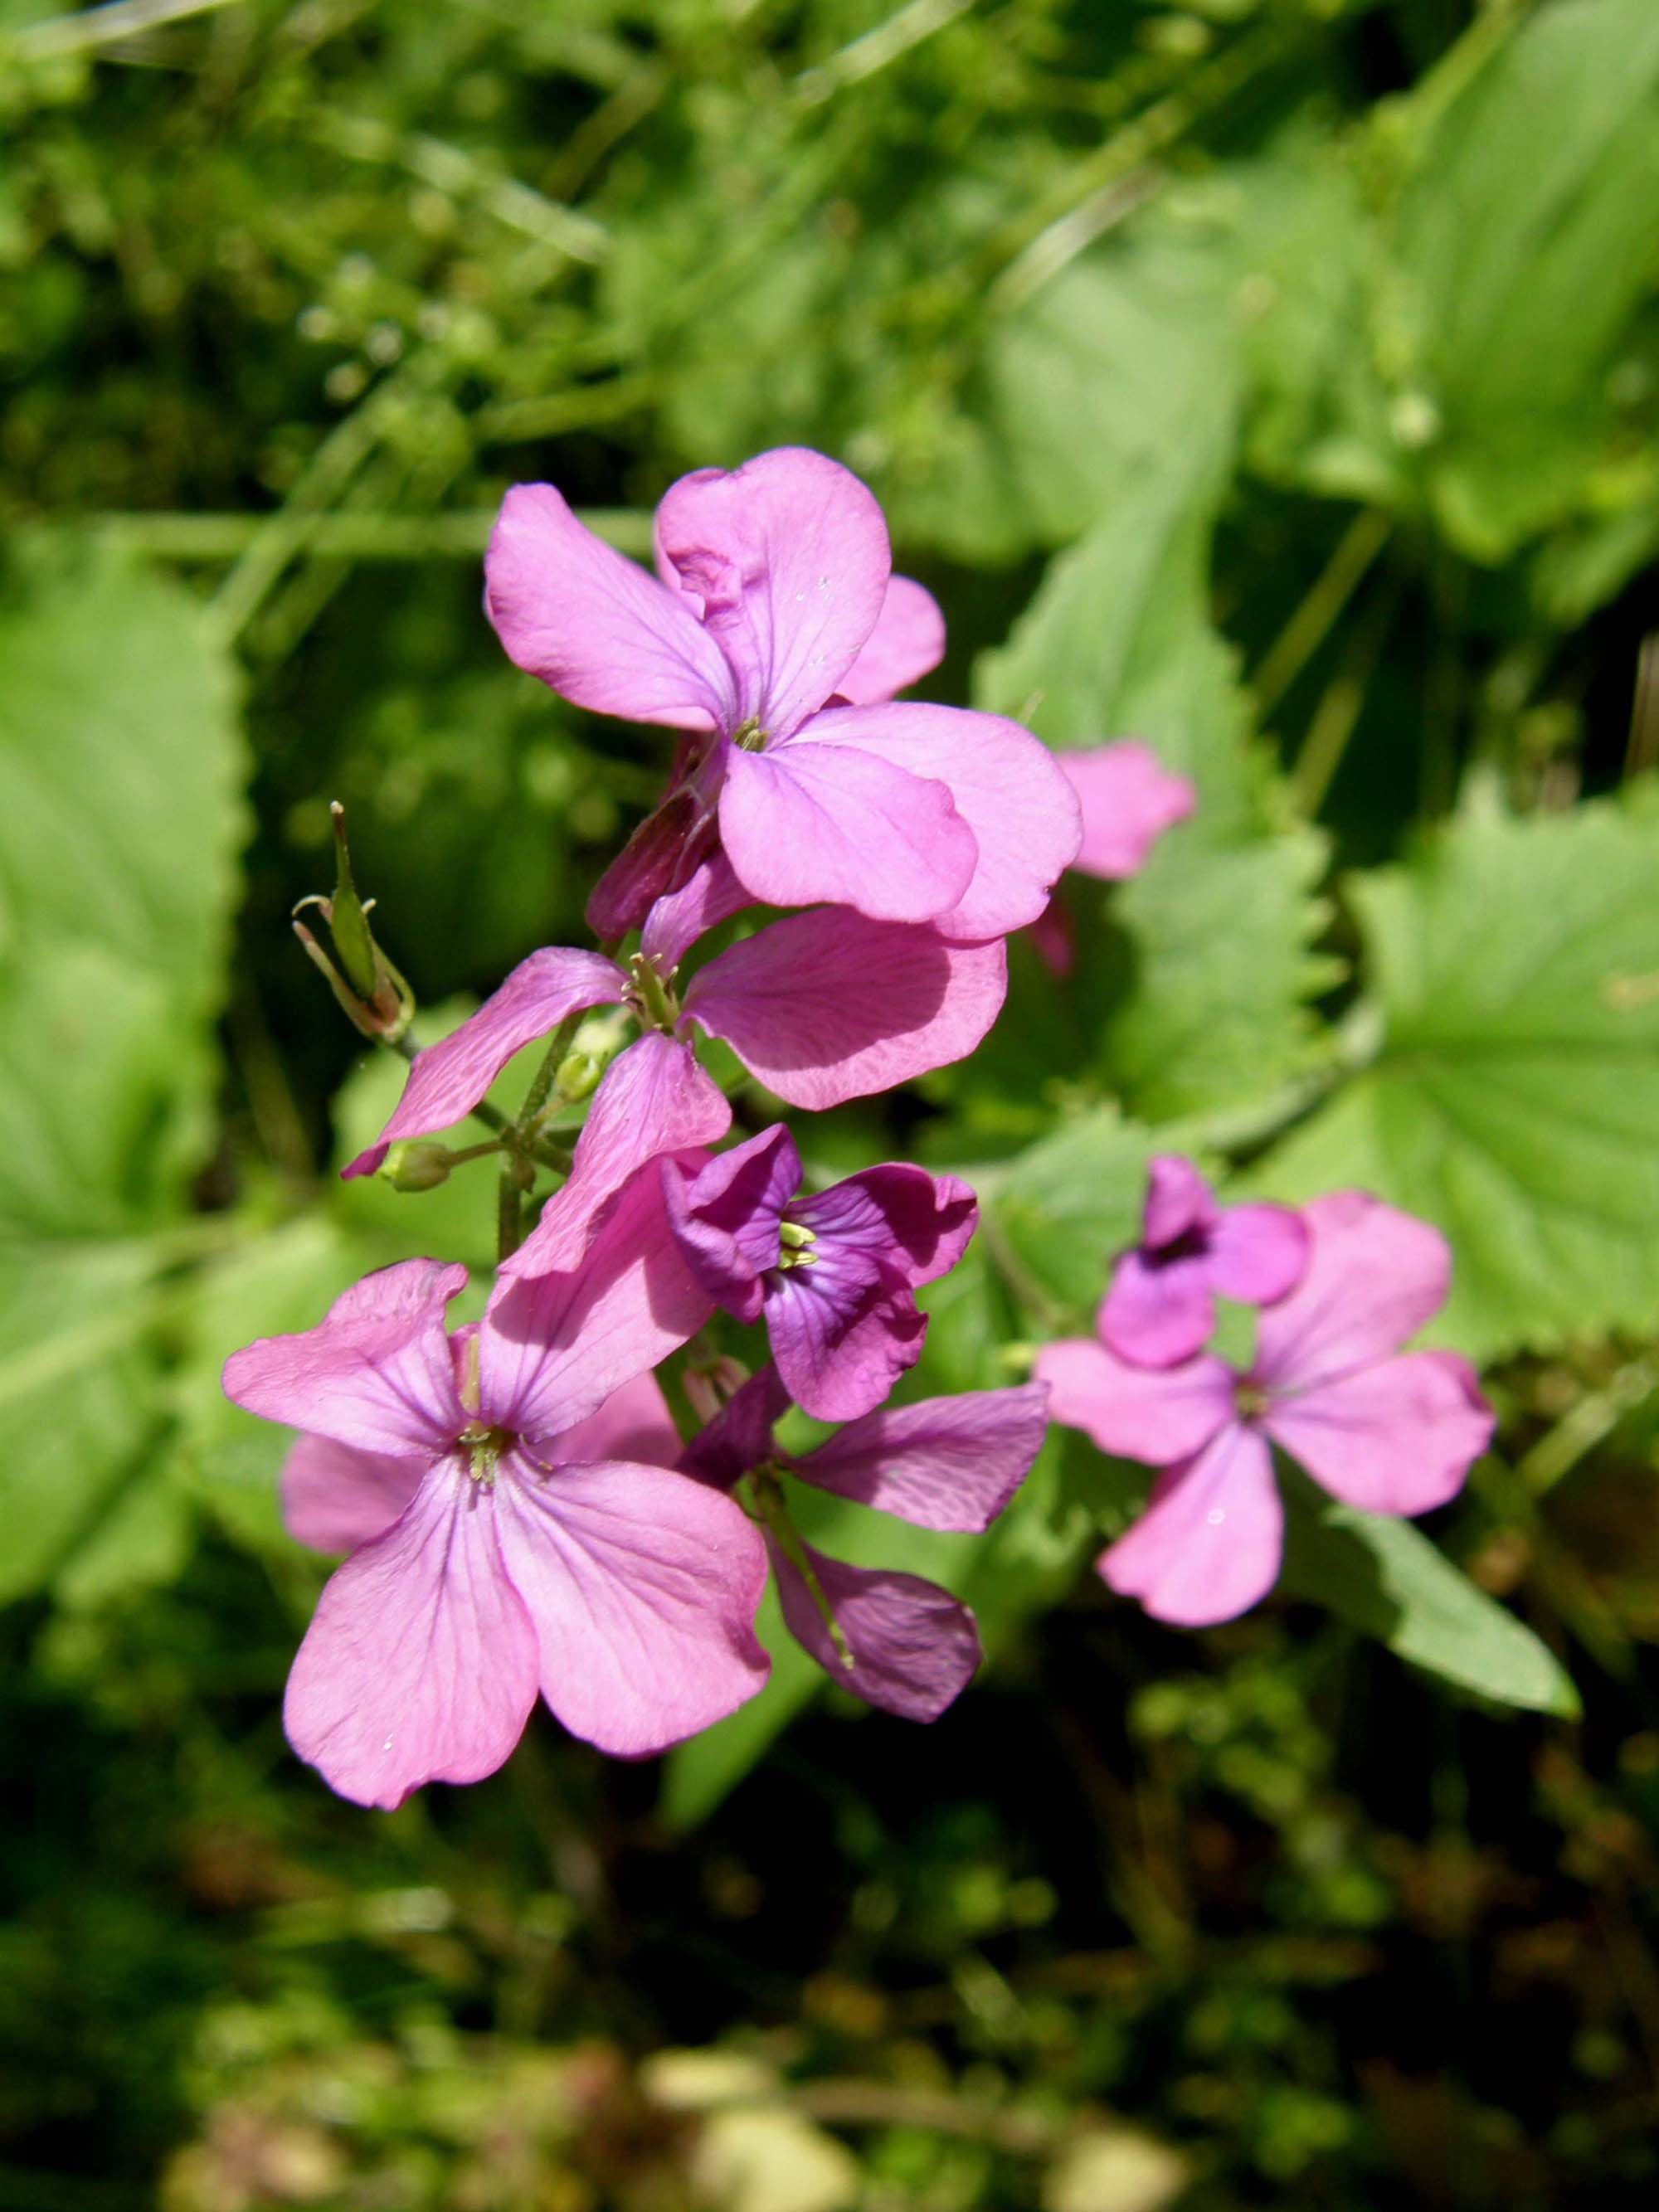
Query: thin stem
[(509, 1212), (542, 1083), (1308, 628), (106, 27)]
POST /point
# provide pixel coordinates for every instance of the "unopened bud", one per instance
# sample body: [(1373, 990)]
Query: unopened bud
[(578, 1077), (371, 992), (415, 1165)]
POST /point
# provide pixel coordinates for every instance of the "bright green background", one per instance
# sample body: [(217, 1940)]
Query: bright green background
[(1275, 381)]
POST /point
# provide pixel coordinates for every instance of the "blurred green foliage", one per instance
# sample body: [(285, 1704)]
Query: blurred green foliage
[(1277, 381)]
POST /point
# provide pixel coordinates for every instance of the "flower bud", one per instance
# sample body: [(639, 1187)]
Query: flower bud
[(415, 1164), (371, 992), (579, 1077)]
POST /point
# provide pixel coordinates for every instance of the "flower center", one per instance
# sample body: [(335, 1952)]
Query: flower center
[(749, 737), (652, 996), (1251, 1400), (484, 1446), (797, 1241)]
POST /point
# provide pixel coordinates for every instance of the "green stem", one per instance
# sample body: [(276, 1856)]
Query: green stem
[(509, 1212), (542, 1083), (1308, 628), (766, 1487)]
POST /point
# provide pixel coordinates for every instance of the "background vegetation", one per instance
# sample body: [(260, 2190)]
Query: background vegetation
[(1275, 380)]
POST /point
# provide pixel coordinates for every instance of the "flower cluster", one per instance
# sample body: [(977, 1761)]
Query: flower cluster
[(520, 1512), (1342, 1287)]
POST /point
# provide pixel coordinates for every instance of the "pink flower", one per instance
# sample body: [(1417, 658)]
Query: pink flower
[(836, 1275), (941, 1463), (822, 1007), (1161, 1306), (1387, 1430), (513, 1520), (1128, 799), (777, 597)]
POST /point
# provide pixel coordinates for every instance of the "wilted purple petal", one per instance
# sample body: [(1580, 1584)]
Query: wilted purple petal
[(420, 1663), (375, 1373), (940, 1464), (448, 1078), (830, 1005), (1209, 1544), (914, 1647), (740, 1436), (1399, 1437), (789, 556), (643, 1587), (601, 631)]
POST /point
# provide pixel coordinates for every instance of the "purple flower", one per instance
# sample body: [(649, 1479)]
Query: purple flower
[(1388, 1431), (836, 1275), (822, 1007), (514, 1522), (776, 596), (894, 1639), (1161, 1306)]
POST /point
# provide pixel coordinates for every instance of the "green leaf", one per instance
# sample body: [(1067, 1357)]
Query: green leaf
[(1525, 248), (1516, 1099), (1055, 1219), (1117, 643), (121, 761), (1386, 1578)]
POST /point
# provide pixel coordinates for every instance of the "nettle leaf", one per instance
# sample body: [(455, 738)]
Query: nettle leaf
[(1525, 247), (1516, 1099), (1212, 1004), (1385, 1577)]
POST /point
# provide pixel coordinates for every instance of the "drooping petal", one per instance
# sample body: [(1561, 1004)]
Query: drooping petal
[(740, 1435), (679, 918), (809, 824), (661, 853), (915, 1224), (789, 556), (643, 1587), (1209, 1544), (1374, 1277), (940, 1464), (1258, 1253), (653, 1099), (1158, 1414), (375, 1373), (726, 1216), (335, 1499), (1399, 1436), (1157, 1314), (448, 1078), (600, 630), (839, 1336), (552, 1346), (1007, 786), (830, 1005), (906, 643), (914, 1647), (420, 1663), (1178, 1201), (1129, 798), (634, 1423)]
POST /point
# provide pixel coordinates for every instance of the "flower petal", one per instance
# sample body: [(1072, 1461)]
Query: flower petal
[(335, 1499), (448, 1078), (789, 556), (1178, 1201), (1258, 1253), (1007, 786), (726, 1216), (841, 1338), (940, 1464), (906, 643), (653, 1099), (1158, 1414), (552, 1346), (634, 1423), (809, 823), (914, 1647), (1129, 798), (600, 630), (1374, 1277), (1399, 1437), (660, 852), (829, 1005), (1157, 1315), (643, 1587), (375, 1373), (679, 918), (420, 1663), (916, 1226), (740, 1435), (1209, 1544)]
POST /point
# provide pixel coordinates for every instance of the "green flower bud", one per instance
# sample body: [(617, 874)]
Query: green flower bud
[(415, 1164), (578, 1077)]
